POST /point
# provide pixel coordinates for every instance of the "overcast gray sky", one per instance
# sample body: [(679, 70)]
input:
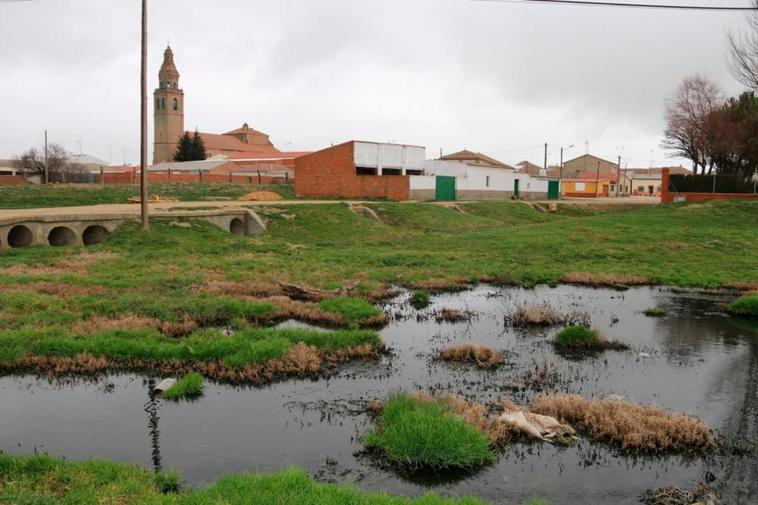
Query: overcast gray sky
[(501, 78)]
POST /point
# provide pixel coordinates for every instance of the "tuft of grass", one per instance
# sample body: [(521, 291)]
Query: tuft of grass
[(420, 299), (581, 338), (420, 435), (353, 310), (745, 306), (483, 356), (189, 386), (654, 312), (544, 315), (168, 482), (51, 481), (631, 427)]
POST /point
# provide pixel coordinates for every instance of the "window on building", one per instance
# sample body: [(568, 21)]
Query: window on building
[(414, 172), (176, 104), (157, 104), (392, 171), (487, 182), (580, 186), (658, 189), (163, 103), (365, 171), (640, 188)]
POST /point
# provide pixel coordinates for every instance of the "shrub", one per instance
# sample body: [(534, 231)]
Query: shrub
[(423, 435), (189, 386), (745, 306), (654, 312), (168, 482), (420, 299)]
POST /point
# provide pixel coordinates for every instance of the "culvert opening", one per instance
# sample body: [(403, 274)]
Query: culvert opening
[(20, 236), (61, 236), (95, 234), (237, 227)]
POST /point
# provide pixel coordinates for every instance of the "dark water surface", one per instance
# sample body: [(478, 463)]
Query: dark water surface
[(701, 362)]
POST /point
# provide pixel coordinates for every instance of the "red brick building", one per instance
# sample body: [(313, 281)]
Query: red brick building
[(359, 170)]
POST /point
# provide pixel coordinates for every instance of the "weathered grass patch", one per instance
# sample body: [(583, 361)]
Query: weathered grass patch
[(745, 306), (544, 315), (418, 435), (42, 479), (482, 356), (187, 387), (654, 312), (581, 338), (628, 426)]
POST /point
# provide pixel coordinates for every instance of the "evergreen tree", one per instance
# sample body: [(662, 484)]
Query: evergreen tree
[(191, 148)]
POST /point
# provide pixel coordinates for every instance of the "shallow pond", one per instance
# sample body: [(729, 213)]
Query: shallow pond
[(701, 362)]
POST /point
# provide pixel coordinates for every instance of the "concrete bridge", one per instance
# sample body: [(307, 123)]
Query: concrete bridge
[(86, 226)]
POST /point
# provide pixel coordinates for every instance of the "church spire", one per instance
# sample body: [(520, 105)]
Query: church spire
[(168, 75)]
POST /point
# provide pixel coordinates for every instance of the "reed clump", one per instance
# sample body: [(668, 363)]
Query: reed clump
[(544, 315), (481, 355), (628, 426)]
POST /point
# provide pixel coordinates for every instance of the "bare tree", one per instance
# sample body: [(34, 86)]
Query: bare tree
[(743, 48), (686, 113), (58, 162)]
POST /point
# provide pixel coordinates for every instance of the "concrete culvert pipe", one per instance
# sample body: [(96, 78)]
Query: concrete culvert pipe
[(20, 236), (95, 234), (237, 227), (61, 236)]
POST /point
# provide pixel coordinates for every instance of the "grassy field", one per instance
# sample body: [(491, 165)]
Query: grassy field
[(60, 195), (47, 481), (152, 296)]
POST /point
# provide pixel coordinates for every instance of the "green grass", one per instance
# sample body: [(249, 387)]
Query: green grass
[(420, 299), (42, 480), (31, 196), (577, 336), (417, 435), (251, 346), (189, 386), (168, 482), (352, 310), (654, 312), (745, 306)]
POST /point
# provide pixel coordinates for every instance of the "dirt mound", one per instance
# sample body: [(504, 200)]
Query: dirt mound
[(261, 196)]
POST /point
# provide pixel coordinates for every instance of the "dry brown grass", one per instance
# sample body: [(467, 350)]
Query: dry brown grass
[(235, 288), (441, 285), (451, 316), (483, 356), (177, 329), (595, 279), (631, 427), (77, 264), (57, 289), (125, 322), (300, 361), (676, 246)]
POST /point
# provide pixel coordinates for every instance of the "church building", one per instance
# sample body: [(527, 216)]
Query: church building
[(243, 144)]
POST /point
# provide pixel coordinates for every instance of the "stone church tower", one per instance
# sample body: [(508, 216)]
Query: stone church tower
[(169, 111)]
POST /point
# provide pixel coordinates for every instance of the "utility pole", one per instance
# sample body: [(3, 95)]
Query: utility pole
[(545, 165), (143, 124), (618, 177), (560, 174), (597, 180), (47, 174)]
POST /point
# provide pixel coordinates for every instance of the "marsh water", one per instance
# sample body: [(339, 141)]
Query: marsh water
[(696, 360)]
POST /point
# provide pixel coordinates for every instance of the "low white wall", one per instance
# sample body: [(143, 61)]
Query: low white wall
[(370, 155)]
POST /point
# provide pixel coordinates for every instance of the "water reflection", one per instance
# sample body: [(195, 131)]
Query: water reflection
[(151, 408)]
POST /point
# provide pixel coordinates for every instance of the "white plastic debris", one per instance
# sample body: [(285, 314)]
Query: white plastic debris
[(644, 355), (165, 385), (537, 426)]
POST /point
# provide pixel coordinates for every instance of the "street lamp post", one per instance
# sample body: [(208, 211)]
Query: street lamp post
[(143, 125), (560, 176)]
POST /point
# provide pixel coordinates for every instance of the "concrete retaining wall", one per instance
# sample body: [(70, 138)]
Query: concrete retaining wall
[(90, 229)]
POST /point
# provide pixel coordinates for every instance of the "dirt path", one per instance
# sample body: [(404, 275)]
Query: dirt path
[(132, 209)]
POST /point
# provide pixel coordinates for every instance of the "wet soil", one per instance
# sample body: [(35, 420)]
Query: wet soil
[(696, 360)]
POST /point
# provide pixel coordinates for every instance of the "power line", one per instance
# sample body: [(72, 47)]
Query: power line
[(590, 3)]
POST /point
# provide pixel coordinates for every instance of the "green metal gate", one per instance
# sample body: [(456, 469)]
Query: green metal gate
[(516, 188), (553, 188), (445, 188)]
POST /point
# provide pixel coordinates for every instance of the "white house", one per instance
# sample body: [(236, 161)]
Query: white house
[(474, 176)]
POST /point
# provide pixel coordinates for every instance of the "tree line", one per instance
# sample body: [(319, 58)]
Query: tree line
[(719, 134)]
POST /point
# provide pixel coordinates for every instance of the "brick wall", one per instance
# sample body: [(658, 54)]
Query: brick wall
[(12, 180), (668, 197), (331, 172)]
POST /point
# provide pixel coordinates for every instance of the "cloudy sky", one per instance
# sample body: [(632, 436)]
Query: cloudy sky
[(501, 78)]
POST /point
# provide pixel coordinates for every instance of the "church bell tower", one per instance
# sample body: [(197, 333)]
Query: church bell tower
[(169, 111)]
